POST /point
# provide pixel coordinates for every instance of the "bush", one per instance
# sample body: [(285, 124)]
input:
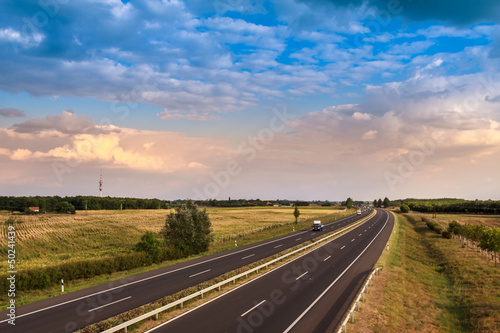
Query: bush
[(454, 227), (434, 227), (446, 234), (150, 244), (404, 208)]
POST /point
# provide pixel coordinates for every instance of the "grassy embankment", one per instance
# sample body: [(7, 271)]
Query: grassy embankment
[(431, 284), (49, 239)]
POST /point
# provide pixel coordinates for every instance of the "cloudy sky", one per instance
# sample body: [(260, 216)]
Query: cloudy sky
[(297, 99)]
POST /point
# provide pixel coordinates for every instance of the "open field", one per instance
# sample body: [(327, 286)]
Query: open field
[(430, 284), (487, 220), (48, 239)]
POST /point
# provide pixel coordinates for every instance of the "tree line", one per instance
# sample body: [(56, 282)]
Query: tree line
[(54, 204), (457, 206)]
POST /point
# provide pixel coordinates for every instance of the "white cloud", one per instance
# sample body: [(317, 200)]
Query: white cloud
[(361, 116), (370, 135), (14, 36)]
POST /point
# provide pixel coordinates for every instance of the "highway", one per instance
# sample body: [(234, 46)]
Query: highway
[(308, 294), (72, 311)]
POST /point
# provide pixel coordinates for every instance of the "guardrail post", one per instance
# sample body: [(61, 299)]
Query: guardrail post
[(357, 306), (156, 316), (352, 317), (125, 330), (182, 305), (363, 296)]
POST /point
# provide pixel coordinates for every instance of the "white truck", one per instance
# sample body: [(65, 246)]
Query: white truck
[(358, 212), (317, 226)]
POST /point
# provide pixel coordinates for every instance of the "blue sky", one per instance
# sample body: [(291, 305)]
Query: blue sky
[(385, 98)]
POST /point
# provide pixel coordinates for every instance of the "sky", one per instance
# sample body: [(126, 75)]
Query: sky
[(288, 99)]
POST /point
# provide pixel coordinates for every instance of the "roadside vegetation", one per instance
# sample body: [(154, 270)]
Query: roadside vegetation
[(91, 247), (431, 284)]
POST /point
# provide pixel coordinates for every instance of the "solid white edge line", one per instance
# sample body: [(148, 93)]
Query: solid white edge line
[(105, 305), (331, 285), (208, 270), (230, 291), (243, 315), (298, 277), (158, 275)]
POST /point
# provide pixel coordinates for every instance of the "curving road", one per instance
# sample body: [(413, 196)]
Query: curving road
[(309, 294), (73, 311)]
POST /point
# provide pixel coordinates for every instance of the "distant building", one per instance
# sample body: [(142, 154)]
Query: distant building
[(34, 209)]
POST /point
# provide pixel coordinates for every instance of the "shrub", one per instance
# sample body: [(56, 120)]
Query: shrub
[(404, 208), (454, 227), (446, 234), (150, 244)]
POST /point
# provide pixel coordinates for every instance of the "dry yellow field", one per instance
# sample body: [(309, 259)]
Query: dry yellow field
[(47, 239), (487, 220)]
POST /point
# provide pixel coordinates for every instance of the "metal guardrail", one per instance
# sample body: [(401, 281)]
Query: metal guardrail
[(361, 297), (154, 313)]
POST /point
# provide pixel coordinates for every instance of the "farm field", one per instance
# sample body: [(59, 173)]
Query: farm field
[(487, 220), (48, 239)]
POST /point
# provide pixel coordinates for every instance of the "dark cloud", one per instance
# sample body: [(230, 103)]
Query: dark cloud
[(450, 11), (66, 122), (11, 112)]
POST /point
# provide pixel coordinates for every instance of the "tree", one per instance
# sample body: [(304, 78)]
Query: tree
[(404, 208), (150, 244), (490, 240), (379, 203), (296, 213), (387, 202), (348, 203), (65, 207), (188, 229)]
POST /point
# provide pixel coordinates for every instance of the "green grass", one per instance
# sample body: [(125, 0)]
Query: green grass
[(431, 284)]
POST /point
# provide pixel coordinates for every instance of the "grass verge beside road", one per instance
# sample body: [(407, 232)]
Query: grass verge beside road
[(430, 284)]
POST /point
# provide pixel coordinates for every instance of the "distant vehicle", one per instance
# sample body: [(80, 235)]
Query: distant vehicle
[(358, 212), (317, 226)]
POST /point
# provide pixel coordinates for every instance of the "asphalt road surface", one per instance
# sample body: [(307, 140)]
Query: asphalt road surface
[(72, 311), (309, 294)]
